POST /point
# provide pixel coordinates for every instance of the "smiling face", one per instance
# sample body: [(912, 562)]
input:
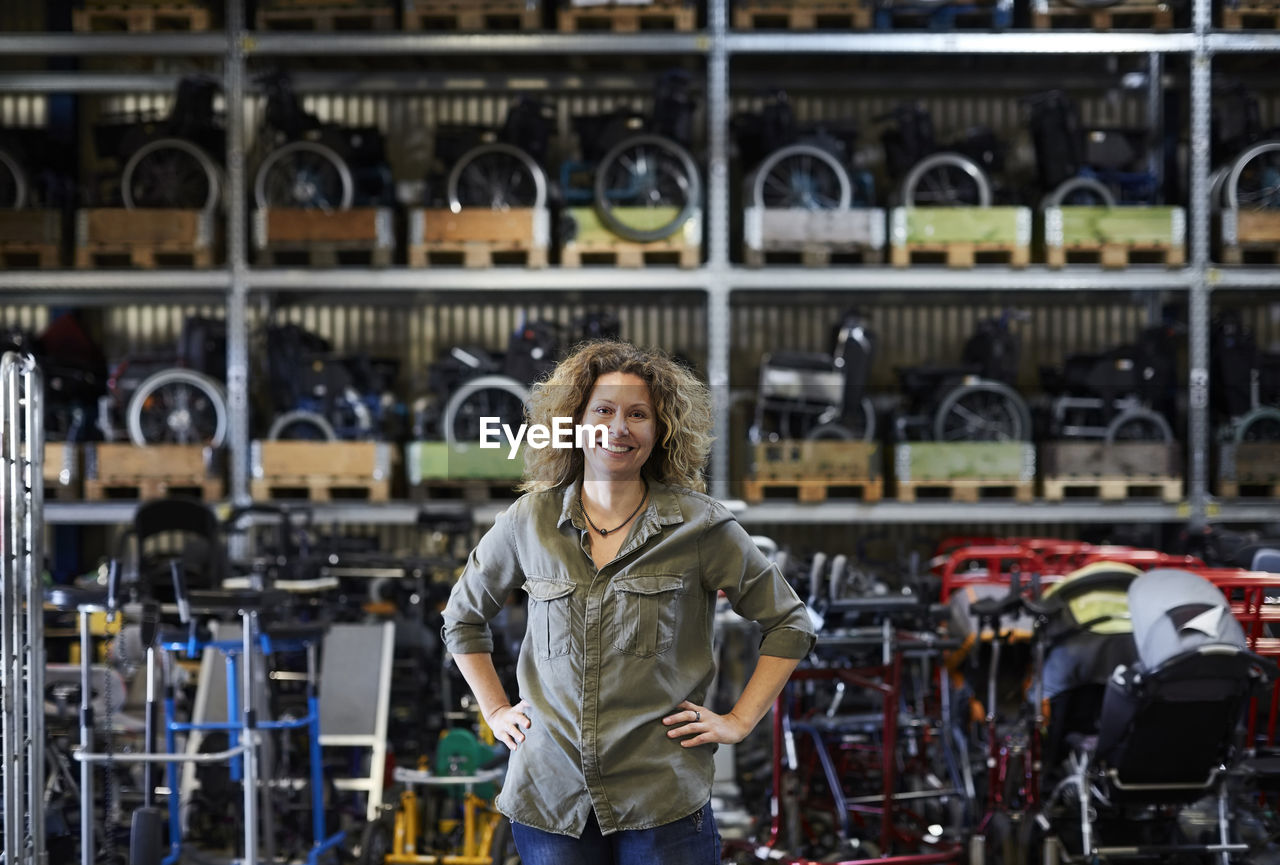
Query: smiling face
[(620, 401)]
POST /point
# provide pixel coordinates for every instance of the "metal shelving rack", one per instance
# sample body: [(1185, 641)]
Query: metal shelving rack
[(237, 281)]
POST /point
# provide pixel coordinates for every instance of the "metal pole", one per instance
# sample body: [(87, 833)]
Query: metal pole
[(34, 651), (1198, 300), (10, 611), (237, 260)]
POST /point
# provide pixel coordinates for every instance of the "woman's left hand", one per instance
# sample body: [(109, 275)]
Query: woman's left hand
[(705, 726)]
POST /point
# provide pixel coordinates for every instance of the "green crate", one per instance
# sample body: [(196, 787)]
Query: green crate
[(944, 461), (437, 461), (930, 226)]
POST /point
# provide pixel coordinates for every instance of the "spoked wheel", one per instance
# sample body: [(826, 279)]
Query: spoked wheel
[(985, 411), (300, 425), (801, 176), (502, 845), (946, 180), (487, 396), (376, 842), (496, 177), (1080, 191), (180, 406), (646, 187), (304, 174), (170, 172), (1218, 187), (858, 425), (1260, 425), (1139, 425), (1254, 183), (13, 183)]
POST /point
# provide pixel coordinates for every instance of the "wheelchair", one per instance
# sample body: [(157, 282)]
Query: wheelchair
[(1245, 383), (972, 402), (926, 173), (811, 395), (1120, 395), (1121, 794), (495, 169), (636, 170)]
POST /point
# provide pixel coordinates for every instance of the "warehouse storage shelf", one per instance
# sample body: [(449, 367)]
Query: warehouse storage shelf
[(1243, 277)]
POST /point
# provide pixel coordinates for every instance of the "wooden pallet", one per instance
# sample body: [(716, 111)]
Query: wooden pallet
[(139, 18), (967, 490), (1250, 233), (960, 255), (816, 237), (621, 253), (812, 256), (469, 490), (776, 15), (360, 236), (144, 238), (1157, 17), (1113, 489), (1115, 256), (61, 471), (30, 238), (328, 17), (477, 15), (118, 470), (627, 19), (321, 471), (1244, 490), (1251, 16), (805, 491), (478, 238)]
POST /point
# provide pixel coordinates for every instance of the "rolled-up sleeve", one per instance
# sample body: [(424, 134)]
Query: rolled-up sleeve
[(491, 574), (731, 563)]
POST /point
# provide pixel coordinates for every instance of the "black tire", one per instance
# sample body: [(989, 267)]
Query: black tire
[(657, 172), (376, 842), (502, 846)]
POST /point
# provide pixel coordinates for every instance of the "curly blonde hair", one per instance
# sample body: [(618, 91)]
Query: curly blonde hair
[(681, 402)]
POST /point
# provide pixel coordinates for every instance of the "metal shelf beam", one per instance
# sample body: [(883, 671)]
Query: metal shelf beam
[(213, 44), (1037, 278), (464, 279), (1242, 277), (478, 44), (115, 282), (1014, 42)]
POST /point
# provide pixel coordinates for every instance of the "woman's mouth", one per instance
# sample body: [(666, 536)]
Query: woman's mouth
[(618, 449)]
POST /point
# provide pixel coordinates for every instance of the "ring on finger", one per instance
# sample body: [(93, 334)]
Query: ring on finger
[(697, 716)]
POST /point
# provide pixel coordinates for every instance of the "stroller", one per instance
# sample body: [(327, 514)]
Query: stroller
[(1184, 694)]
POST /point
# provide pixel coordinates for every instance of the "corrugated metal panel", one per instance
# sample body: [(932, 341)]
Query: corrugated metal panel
[(148, 328), (1260, 314)]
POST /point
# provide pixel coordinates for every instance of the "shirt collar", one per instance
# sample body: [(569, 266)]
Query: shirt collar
[(663, 508)]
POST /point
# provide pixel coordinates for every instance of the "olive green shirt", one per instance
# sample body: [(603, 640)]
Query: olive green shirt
[(609, 653)]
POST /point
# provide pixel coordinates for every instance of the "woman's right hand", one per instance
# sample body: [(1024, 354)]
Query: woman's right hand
[(509, 723)]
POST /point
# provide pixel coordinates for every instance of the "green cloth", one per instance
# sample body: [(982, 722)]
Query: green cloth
[(609, 653)]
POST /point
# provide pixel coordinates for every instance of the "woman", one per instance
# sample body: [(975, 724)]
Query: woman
[(621, 557)]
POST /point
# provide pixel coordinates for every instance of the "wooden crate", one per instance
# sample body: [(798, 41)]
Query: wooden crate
[(1255, 15), (1246, 231), (816, 235), (146, 237), (1249, 469), (318, 238), (1048, 15), (30, 238), (813, 471), (477, 15), (61, 470), (475, 237), (627, 18), (965, 471), (1114, 236), (321, 471), (1111, 472), (586, 238), (325, 16), (960, 234), (802, 15), (123, 470), (140, 17)]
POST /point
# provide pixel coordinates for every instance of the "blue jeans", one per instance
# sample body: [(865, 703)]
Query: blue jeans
[(689, 841)]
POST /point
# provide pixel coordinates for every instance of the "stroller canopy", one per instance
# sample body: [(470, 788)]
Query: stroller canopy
[(1175, 611), (1089, 630)]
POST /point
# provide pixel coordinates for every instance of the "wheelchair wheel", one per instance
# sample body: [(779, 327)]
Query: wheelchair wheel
[(178, 405), (487, 396), (1087, 191), (646, 187), (1218, 187), (498, 177), (946, 180), (376, 842), (1260, 425), (1139, 425), (170, 172), (859, 425), (304, 174), (13, 183), (301, 425), (801, 177), (1254, 183), (984, 411), (502, 844)]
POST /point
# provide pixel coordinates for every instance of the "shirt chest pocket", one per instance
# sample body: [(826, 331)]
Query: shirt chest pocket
[(550, 616), (646, 609)]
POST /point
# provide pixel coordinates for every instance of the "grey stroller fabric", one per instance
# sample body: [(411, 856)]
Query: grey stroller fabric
[(1175, 611)]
